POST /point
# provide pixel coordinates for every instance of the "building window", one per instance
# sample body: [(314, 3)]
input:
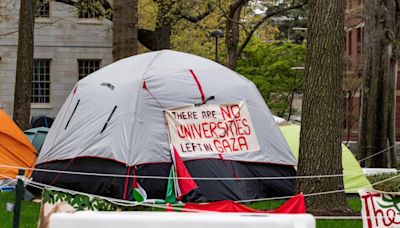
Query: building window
[(350, 42), (41, 81), (42, 8), (87, 66), (88, 9)]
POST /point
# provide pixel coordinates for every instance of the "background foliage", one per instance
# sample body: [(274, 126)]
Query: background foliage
[(270, 66)]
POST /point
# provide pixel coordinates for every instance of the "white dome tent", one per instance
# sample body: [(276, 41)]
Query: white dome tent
[(116, 121)]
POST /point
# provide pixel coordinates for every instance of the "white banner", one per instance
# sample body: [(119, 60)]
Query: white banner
[(211, 129), (380, 209)]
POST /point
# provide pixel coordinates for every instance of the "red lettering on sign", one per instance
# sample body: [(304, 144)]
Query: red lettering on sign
[(248, 132), (222, 129), (235, 109), (196, 129), (231, 144), (217, 145), (379, 216), (184, 131), (206, 131), (226, 114), (242, 143), (213, 127)]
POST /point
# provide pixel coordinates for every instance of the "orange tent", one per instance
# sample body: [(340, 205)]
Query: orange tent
[(15, 148)]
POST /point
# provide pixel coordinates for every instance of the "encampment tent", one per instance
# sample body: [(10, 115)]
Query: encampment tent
[(354, 178), (15, 148), (37, 136), (127, 117)]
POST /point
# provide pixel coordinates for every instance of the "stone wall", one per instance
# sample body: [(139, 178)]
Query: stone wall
[(64, 38)]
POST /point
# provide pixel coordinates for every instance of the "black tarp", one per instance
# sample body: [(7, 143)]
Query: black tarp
[(211, 190)]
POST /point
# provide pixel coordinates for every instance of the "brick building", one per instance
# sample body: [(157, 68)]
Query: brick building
[(68, 46), (354, 42)]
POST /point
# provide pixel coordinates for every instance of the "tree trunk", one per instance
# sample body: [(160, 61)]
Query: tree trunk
[(125, 32), (24, 72), (158, 39), (376, 132), (320, 138), (291, 99), (232, 35)]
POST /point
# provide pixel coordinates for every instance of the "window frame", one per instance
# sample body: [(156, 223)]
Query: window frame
[(39, 9), (45, 78), (87, 69)]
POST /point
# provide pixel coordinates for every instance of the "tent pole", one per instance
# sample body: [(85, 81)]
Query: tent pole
[(18, 198)]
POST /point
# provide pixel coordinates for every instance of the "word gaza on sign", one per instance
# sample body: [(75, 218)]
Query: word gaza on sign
[(211, 129), (380, 209)]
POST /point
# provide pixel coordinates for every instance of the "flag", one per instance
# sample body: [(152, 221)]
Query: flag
[(170, 197), (139, 194), (295, 205), (184, 186)]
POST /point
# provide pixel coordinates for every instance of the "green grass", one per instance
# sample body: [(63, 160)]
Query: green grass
[(353, 202), (30, 212), (321, 223)]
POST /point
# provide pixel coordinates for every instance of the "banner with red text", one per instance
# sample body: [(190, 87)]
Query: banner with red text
[(198, 131), (380, 209)]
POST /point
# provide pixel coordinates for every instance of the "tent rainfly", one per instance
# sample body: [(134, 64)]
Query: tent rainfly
[(37, 136), (15, 149), (126, 118), (354, 179)]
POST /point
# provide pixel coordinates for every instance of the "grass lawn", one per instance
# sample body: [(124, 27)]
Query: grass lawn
[(30, 213), (353, 202)]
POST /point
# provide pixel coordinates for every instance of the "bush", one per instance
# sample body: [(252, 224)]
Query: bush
[(392, 185)]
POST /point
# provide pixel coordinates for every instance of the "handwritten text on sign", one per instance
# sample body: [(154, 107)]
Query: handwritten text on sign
[(380, 209), (211, 129)]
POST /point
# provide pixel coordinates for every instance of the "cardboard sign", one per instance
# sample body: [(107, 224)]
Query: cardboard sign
[(380, 209), (211, 129)]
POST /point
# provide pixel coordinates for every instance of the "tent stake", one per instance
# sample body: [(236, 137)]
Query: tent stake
[(18, 198)]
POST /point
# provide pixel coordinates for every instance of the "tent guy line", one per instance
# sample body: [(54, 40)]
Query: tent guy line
[(109, 199), (152, 205), (170, 206), (182, 178), (377, 153), (318, 193)]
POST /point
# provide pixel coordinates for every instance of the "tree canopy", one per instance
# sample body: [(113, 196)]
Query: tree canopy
[(273, 67)]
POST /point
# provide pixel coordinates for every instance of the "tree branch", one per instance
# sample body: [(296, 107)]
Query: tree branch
[(146, 38), (274, 12), (195, 19), (236, 5)]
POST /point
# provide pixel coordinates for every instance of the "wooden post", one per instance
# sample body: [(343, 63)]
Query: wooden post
[(19, 194)]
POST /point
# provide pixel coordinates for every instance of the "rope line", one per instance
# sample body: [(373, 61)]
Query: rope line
[(195, 178), (377, 153), (119, 202), (318, 193), (132, 203), (182, 178)]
